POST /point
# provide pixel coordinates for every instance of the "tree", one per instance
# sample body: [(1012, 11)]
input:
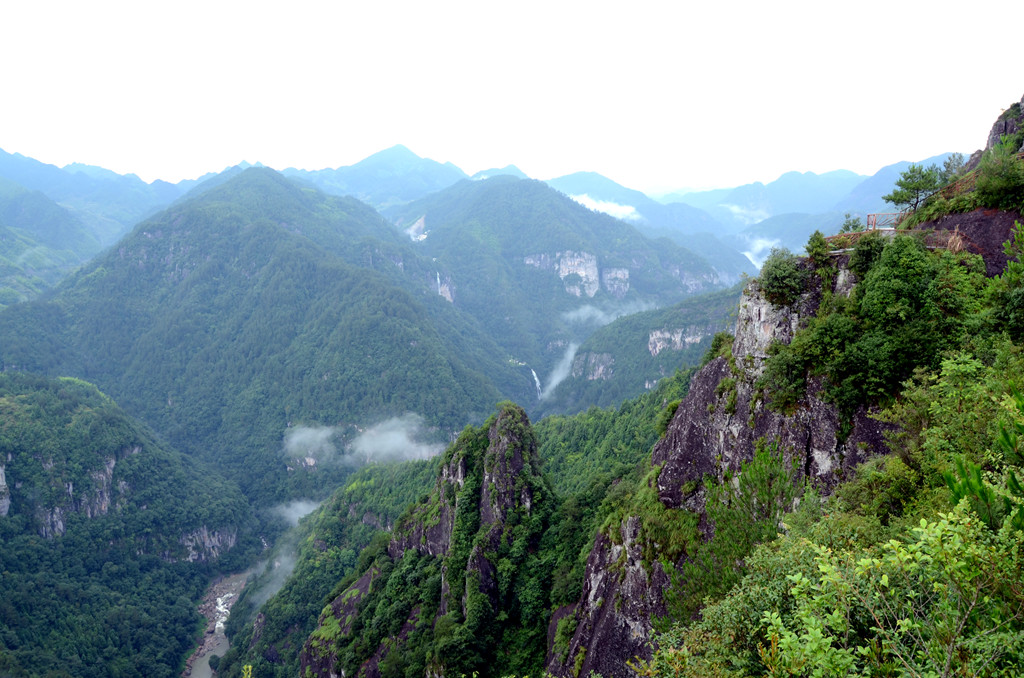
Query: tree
[(914, 186), (952, 168), (851, 224)]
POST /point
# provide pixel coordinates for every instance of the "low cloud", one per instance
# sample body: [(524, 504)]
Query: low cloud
[(748, 217), (592, 315), (294, 511), (314, 442), (759, 249), (560, 372), (396, 439), (624, 212)]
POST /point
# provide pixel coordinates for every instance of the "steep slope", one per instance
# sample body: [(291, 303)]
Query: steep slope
[(455, 590), (40, 243), (529, 264), (631, 354), (227, 319), (712, 434), (106, 536), (686, 226)]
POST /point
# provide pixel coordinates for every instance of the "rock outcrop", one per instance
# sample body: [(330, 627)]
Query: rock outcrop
[(714, 431), (488, 484)]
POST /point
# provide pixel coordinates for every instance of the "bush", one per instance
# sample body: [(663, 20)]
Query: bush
[(782, 279), (1001, 177), (865, 253), (818, 249)]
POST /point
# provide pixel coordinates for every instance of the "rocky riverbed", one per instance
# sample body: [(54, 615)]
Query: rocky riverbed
[(215, 607)]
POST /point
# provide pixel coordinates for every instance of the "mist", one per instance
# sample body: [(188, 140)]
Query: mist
[(560, 372), (759, 250), (314, 442), (396, 439), (274, 573), (294, 511), (747, 216), (592, 315), (624, 212)]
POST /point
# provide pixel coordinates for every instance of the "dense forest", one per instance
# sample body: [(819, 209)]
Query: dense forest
[(896, 555), (833, 487), (107, 537)]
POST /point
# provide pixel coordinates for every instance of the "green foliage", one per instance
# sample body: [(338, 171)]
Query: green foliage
[(952, 168), (111, 592), (1001, 177), (914, 186), (665, 418), (851, 224), (744, 516), (910, 307), (721, 346), (1007, 290), (782, 278), (818, 250), (945, 602), (866, 252)]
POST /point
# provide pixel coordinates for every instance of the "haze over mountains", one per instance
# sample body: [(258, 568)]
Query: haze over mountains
[(267, 333)]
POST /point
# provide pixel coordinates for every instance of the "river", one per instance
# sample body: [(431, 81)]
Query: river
[(216, 606)]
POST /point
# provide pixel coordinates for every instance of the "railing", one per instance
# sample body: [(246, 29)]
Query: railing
[(884, 219)]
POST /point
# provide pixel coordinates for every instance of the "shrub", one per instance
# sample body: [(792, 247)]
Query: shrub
[(1001, 177), (865, 253), (818, 249), (782, 279)]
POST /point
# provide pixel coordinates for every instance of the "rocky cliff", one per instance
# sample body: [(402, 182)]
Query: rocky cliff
[(713, 431), (451, 568), (72, 457)]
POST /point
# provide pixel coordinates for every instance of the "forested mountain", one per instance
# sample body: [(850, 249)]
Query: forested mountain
[(875, 384), (107, 203), (581, 457), (632, 353), (107, 537), (40, 243), (387, 179), (229, 318), (681, 223), (535, 268)]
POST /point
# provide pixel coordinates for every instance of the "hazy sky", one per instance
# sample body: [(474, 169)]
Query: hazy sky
[(655, 95)]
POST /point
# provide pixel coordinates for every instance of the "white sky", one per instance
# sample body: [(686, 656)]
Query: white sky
[(655, 95)]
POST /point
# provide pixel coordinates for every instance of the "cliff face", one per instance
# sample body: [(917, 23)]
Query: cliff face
[(714, 430), (487, 511)]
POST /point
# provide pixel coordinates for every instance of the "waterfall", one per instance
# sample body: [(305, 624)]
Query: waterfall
[(439, 282), (536, 380)]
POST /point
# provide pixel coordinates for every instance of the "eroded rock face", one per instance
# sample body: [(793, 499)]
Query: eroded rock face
[(593, 366), (204, 545), (676, 339), (491, 485), (620, 597), (713, 430), (93, 498), (5, 494)]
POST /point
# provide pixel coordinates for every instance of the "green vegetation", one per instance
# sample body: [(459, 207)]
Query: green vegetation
[(912, 567), (914, 186), (641, 348), (912, 306), (109, 590), (782, 278), (40, 243)]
